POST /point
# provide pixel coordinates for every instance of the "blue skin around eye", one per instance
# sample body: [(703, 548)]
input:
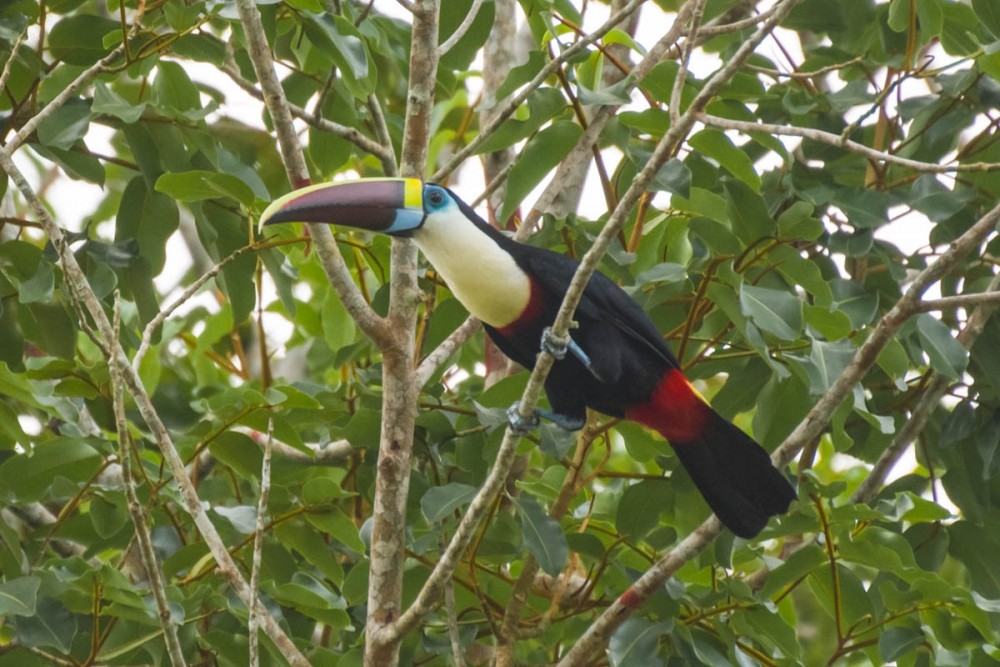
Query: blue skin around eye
[(406, 220)]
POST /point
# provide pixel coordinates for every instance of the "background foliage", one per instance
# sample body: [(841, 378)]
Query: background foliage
[(767, 258)]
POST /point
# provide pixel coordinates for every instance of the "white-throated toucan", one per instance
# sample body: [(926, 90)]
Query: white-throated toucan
[(618, 363)]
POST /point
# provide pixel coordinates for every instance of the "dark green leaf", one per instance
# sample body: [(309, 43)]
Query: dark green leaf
[(197, 184), (638, 510), (636, 642), (775, 311), (79, 39), (51, 626), (64, 127), (716, 145), (542, 154), (543, 536), (947, 356), (18, 596), (441, 502)]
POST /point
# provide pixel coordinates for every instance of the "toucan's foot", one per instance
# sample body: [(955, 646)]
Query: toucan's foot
[(558, 348), (555, 346), (519, 424), (565, 422)]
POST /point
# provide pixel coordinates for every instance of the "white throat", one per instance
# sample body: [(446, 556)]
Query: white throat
[(481, 274)]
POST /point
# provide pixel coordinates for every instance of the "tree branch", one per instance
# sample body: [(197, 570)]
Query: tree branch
[(845, 143), (139, 522), (400, 391)]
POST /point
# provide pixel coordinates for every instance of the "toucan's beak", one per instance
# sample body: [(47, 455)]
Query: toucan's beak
[(387, 205)]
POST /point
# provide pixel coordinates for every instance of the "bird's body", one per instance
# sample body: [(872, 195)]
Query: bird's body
[(622, 367)]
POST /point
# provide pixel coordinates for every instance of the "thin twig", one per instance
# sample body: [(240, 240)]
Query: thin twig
[(192, 289), (258, 545), (139, 521), (462, 28), (846, 144), (432, 362), (9, 65)]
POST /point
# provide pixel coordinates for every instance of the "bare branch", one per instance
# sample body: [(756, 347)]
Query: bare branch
[(258, 544), (139, 522), (842, 142), (443, 352), (399, 404), (989, 297), (462, 28)]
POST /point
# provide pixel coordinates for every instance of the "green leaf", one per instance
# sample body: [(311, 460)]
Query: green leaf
[(338, 326), (65, 126), (339, 526), (19, 596), (28, 477), (174, 94), (340, 40), (897, 641), (716, 145), (636, 642), (540, 107), (79, 39), (198, 184), (899, 15), (947, 356), (638, 509), (52, 625), (150, 218), (108, 514), (775, 311), (989, 13), (110, 103), (441, 502), (39, 287), (306, 541), (828, 361), (748, 212), (543, 536), (542, 154)]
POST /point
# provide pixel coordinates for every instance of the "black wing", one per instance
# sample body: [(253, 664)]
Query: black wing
[(603, 301)]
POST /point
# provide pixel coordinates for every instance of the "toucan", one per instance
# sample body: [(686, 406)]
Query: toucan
[(616, 361)]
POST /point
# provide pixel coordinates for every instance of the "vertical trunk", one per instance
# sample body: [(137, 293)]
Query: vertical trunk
[(399, 406)]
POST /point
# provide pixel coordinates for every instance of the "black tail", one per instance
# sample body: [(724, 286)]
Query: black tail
[(736, 477)]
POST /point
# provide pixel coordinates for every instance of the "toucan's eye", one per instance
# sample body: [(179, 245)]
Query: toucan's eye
[(436, 197)]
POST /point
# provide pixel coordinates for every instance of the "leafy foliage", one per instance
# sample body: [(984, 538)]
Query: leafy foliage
[(766, 257)]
